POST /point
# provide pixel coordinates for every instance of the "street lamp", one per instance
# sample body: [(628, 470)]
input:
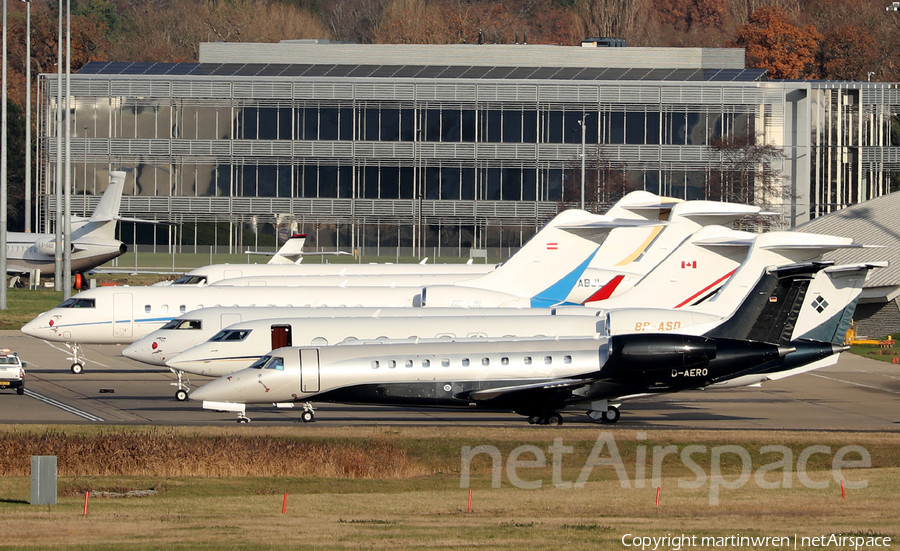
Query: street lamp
[(3, 171), (67, 251), (27, 115), (84, 182), (581, 122)]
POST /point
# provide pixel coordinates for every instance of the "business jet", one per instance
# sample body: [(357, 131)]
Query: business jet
[(637, 205), (198, 326), (242, 343), (93, 239), (625, 255), (538, 378), (120, 315)]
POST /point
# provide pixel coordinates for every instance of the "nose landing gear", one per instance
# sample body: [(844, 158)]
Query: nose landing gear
[(308, 415), (183, 391), (77, 358)]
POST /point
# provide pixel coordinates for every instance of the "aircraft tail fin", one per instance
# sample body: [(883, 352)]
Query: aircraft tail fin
[(102, 223), (108, 207), (831, 302), (290, 252), (771, 309)]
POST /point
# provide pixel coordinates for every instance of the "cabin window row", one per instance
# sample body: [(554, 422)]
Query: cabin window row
[(464, 362)]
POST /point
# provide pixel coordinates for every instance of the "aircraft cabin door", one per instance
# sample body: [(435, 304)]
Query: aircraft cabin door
[(123, 316), (309, 370), (281, 336)]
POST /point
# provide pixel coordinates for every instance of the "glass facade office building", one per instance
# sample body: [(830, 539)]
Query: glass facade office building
[(381, 146)]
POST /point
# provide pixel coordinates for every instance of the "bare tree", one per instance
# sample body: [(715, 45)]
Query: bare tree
[(354, 20), (749, 174), (613, 18), (605, 182)]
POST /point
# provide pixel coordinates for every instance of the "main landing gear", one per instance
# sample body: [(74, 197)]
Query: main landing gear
[(308, 415), (610, 415), (183, 391), (77, 358), (552, 418)]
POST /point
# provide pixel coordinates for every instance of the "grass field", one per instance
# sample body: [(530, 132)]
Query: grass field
[(412, 498)]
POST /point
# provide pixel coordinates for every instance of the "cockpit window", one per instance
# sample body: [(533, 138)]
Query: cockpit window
[(183, 324), (230, 335), (258, 364), (190, 280), (276, 362), (78, 303)]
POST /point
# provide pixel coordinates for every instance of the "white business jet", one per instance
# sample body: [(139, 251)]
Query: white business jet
[(120, 315), (244, 342), (93, 239), (538, 378)]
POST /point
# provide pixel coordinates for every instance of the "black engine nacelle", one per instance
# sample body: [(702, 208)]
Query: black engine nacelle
[(649, 352), (648, 362)]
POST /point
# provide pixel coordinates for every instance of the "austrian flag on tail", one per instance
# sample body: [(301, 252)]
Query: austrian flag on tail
[(552, 246)]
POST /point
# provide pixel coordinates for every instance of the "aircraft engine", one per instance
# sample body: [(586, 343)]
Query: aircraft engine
[(46, 247), (672, 362)]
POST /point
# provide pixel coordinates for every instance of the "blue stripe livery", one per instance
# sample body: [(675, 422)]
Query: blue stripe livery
[(556, 294)]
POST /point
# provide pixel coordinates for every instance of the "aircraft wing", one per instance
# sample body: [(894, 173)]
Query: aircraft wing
[(516, 391)]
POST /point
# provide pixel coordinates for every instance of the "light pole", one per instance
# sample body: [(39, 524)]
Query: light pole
[(582, 124), (3, 172), (84, 182), (27, 116), (67, 251), (58, 264)]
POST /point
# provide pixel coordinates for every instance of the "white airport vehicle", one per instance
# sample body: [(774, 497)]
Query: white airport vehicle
[(93, 239), (538, 378), (12, 371)]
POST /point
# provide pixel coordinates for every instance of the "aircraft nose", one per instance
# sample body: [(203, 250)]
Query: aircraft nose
[(144, 351), (34, 328), (220, 390)]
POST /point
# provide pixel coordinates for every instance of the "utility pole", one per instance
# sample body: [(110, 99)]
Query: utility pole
[(67, 251), (4, 144)]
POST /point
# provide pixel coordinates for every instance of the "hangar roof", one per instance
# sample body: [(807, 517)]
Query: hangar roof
[(873, 222)]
